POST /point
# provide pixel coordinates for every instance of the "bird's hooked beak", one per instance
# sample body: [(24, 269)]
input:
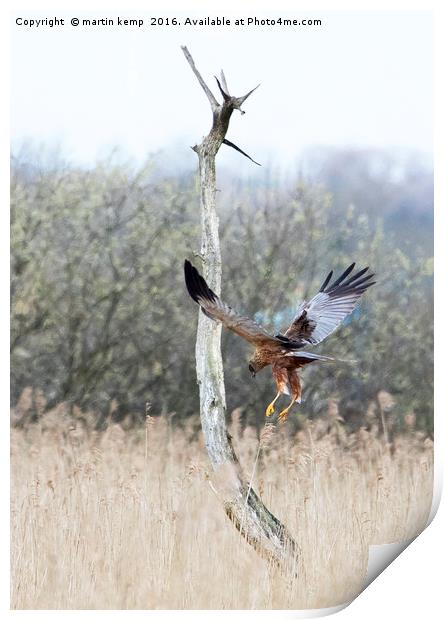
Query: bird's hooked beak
[(252, 371)]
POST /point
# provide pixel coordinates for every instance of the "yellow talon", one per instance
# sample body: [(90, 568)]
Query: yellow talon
[(283, 414), (270, 410)]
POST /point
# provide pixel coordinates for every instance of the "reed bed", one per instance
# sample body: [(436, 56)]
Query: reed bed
[(128, 518)]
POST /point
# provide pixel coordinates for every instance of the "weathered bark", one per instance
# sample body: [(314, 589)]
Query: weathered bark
[(254, 521)]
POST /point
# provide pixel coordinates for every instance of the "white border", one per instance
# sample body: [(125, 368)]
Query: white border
[(410, 586)]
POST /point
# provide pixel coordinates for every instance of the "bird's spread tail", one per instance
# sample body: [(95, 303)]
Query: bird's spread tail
[(313, 357)]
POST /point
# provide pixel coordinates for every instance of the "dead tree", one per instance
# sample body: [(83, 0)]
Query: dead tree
[(242, 505)]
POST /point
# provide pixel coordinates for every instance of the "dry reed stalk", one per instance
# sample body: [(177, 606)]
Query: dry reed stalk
[(99, 521)]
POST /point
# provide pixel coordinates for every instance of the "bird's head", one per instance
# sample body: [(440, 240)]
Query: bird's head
[(254, 367)]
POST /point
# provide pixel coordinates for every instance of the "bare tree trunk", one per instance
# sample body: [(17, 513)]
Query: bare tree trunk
[(254, 521)]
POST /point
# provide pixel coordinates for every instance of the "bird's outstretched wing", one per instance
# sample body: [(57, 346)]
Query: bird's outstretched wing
[(319, 317), (217, 310)]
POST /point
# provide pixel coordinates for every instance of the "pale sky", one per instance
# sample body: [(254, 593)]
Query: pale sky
[(361, 79)]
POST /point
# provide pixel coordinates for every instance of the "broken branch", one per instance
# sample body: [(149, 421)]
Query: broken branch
[(236, 148), (209, 94)]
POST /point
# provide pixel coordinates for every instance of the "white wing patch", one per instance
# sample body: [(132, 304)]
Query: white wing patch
[(322, 315)]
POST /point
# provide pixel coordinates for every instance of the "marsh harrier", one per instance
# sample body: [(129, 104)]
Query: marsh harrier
[(314, 321)]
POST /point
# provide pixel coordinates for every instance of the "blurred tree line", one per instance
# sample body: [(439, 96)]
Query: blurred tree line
[(101, 319)]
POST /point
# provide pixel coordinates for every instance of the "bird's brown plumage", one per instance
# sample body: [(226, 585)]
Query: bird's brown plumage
[(313, 322)]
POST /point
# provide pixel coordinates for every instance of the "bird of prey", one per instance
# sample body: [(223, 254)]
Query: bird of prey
[(314, 321)]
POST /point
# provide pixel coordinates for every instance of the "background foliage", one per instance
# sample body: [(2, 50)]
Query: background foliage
[(101, 319)]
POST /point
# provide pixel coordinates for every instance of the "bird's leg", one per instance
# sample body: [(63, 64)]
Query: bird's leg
[(284, 413), (270, 408)]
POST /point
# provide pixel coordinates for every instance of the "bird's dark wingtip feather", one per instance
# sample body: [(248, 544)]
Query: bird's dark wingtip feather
[(357, 283), (326, 281), (190, 280), (341, 278), (355, 277), (196, 285)]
